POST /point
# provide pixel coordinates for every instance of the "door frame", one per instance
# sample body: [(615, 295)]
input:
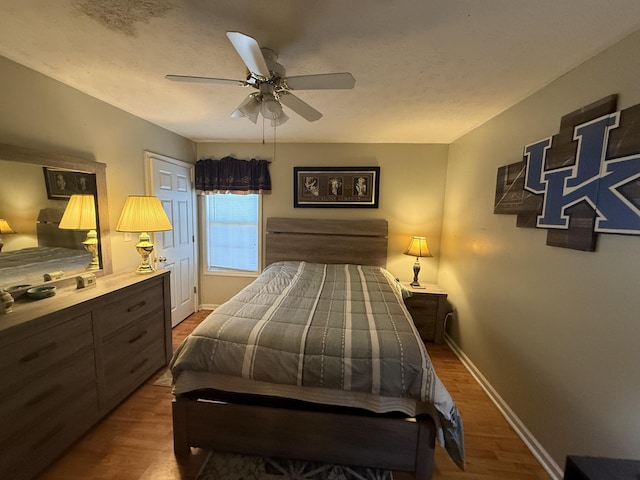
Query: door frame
[(148, 188)]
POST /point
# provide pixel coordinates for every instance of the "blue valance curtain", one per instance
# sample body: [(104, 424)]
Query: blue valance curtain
[(230, 175)]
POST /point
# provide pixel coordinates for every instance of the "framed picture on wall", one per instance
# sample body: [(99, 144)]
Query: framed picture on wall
[(342, 187), (61, 184)]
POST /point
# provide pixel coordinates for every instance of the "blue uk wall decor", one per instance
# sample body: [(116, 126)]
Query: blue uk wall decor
[(581, 182)]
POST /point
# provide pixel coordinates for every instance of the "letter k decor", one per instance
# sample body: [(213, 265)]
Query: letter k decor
[(581, 182)]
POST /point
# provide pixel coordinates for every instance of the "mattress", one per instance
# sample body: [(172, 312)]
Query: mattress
[(327, 334), (29, 264)]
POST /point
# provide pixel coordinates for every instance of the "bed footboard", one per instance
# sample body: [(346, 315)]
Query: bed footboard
[(401, 444)]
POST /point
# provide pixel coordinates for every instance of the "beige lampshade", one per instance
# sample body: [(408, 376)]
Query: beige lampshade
[(418, 248), (4, 227), (143, 214), (80, 213)]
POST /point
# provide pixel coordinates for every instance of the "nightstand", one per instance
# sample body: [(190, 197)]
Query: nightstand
[(593, 468), (428, 308)]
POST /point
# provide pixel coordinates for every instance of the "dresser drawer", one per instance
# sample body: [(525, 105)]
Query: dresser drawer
[(20, 362), (43, 396), (27, 452), (133, 355), (128, 306), (123, 346)]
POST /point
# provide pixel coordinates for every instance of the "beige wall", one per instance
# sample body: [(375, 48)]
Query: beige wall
[(412, 179), (22, 194), (40, 113), (554, 331)]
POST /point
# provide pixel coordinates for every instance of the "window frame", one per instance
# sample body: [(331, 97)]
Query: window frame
[(204, 224)]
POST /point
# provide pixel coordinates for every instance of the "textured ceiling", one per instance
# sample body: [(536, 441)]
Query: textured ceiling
[(427, 71)]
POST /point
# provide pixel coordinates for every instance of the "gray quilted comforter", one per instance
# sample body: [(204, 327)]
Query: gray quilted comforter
[(316, 326)]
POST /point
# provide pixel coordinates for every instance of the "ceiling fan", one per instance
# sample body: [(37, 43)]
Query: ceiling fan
[(273, 87)]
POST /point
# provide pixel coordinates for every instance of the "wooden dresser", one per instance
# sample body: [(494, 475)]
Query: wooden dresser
[(66, 361)]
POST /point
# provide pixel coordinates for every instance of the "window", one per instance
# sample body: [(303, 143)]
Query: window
[(232, 232)]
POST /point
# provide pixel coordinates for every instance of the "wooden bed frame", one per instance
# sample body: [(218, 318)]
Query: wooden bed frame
[(331, 435)]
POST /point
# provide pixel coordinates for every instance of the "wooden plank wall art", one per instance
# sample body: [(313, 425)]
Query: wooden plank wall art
[(581, 182)]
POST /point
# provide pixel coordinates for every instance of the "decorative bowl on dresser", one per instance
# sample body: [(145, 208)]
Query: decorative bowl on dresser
[(67, 360), (44, 291)]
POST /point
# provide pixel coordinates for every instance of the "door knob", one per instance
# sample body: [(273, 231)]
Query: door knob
[(162, 259)]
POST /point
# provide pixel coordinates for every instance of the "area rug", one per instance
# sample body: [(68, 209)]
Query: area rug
[(165, 379), (227, 466)]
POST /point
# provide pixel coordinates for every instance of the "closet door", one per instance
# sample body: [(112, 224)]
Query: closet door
[(176, 249)]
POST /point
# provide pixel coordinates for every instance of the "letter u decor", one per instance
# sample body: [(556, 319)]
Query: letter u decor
[(583, 181)]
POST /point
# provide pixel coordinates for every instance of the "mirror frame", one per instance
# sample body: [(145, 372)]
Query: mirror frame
[(45, 159)]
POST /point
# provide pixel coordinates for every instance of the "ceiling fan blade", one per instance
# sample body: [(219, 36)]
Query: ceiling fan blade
[(303, 109), (191, 78), (249, 50), (323, 81)]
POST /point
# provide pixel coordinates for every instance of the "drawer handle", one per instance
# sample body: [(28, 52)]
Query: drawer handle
[(42, 396), (136, 306), (37, 353), (138, 337), (138, 366)]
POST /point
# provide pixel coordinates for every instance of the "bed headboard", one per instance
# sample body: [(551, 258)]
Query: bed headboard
[(362, 242), (49, 235)]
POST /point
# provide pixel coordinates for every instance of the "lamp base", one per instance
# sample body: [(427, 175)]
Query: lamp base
[(145, 248), (91, 245), (416, 271), (145, 268)]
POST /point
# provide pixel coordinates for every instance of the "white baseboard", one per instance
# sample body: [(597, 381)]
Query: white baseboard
[(208, 306), (538, 451)]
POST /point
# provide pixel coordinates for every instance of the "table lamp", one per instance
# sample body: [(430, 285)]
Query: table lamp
[(417, 248), (4, 229), (143, 214), (80, 214)]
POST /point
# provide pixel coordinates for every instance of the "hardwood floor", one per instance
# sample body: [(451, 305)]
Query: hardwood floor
[(135, 441), (493, 449)]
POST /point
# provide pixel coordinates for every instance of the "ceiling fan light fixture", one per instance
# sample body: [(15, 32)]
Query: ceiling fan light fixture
[(271, 108), (276, 122), (249, 108)]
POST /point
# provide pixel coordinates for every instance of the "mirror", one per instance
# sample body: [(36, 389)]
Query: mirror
[(34, 190)]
